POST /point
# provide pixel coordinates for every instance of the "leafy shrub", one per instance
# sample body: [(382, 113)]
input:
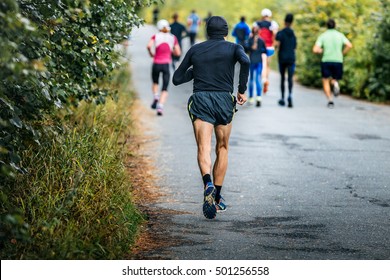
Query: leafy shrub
[(24, 98), (54, 55), (379, 82), (76, 202)]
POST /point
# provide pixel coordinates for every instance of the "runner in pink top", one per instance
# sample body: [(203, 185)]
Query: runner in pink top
[(164, 44)]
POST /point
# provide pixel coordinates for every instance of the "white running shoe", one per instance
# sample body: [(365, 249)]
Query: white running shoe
[(336, 89)]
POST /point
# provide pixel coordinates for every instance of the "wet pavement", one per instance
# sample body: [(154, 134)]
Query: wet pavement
[(302, 183)]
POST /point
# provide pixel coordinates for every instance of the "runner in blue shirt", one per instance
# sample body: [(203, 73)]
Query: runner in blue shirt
[(193, 23), (241, 31)]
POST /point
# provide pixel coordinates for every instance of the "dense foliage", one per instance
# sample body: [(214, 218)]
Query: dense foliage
[(54, 55), (379, 82)]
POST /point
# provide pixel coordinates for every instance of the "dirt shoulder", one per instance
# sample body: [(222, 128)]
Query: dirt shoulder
[(154, 238)]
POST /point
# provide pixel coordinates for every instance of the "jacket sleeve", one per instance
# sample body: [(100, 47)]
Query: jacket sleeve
[(243, 59), (183, 73)]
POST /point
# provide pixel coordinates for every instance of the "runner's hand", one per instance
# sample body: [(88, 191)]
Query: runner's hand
[(241, 98)]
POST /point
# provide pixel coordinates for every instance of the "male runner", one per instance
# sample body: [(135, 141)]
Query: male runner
[(178, 30), (286, 42), (333, 45), (212, 106)]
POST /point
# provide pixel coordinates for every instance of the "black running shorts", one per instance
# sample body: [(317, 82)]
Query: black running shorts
[(217, 108), (164, 69), (332, 69)]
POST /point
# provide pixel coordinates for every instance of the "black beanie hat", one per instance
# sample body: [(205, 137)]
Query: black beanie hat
[(217, 27)]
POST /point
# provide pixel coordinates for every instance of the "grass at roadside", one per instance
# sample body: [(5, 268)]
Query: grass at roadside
[(76, 202)]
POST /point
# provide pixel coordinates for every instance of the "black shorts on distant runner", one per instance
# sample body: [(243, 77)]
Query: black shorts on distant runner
[(164, 69), (217, 108), (332, 69)]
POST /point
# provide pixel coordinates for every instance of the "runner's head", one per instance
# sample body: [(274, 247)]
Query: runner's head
[(266, 13), (331, 24), (217, 27), (163, 25), (289, 19)]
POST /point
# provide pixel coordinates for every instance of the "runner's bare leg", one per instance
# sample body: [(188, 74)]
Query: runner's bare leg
[(326, 87), (222, 134), (203, 132), (155, 88), (163, 96)]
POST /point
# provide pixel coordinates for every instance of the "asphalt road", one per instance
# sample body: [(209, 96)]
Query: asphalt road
[(302, 183)]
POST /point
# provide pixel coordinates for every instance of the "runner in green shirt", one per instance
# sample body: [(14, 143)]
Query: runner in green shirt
[(333, 45)]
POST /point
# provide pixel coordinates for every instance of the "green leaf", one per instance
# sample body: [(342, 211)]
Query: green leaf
[(16, 122)]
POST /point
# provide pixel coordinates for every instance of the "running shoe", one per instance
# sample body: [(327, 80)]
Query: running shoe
[(154, 104), (330, 105), (251, 100), (209, 207), (336, 89), (265, 87), (258, 101), (159, 111), (289, 102), (221, 207)]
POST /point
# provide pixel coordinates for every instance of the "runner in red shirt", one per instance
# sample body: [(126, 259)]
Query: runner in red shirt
[(267, 31)]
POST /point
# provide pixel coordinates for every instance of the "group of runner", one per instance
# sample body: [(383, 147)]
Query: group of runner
[(258, 42), (211, 66)]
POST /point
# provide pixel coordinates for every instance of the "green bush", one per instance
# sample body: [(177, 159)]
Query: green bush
[(379, 82), (24, 98), (75, 202), (54, 55)]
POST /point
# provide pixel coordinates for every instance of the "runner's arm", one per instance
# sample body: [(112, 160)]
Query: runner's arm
[(234, 34), (241, 98), (317, 49), (347, 47), (274, 28), (265, 66), (277, 40), (183, 73), (243, 59), (149, 47), (176, 48), (184, 31)]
